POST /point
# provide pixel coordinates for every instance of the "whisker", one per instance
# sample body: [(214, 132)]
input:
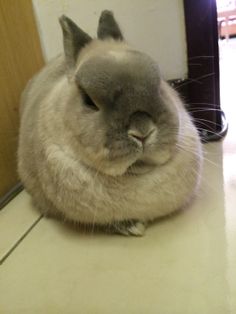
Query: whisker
[(190, 80), (206, 182), (201, 103), (203, 110), (194, 152), (202, 121), (203, 57), (212, 132)]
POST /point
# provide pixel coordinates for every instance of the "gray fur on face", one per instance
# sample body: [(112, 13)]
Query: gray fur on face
[(126, 87)]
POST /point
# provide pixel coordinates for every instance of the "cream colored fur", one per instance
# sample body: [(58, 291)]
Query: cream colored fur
[(53, 168)]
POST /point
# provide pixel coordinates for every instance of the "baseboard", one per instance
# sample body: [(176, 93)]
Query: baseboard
[(4, 200)]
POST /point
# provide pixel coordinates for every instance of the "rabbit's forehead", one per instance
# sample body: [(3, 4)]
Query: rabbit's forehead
[(128, 66), (118, 55)]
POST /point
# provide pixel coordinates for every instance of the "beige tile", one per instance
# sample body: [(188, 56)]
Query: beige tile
[(184, 264), (15, 219)]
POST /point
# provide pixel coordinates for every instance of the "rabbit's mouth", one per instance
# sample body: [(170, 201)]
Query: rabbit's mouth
[(140, 167), (131, 159)]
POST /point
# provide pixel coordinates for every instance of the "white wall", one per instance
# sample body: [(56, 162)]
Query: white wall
[(153, 26)]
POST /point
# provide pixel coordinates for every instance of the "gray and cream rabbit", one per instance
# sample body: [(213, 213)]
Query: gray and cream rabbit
[(104, 139)]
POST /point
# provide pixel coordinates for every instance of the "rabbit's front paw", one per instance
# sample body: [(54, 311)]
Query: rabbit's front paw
[(130, 228)]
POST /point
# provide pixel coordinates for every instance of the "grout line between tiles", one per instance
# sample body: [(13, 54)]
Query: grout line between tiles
[(10, 251)]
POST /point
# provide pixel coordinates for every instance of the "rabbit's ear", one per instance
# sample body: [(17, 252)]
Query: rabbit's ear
[(108, 27), (74, 39)]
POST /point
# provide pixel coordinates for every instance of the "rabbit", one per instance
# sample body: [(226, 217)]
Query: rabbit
[(104, 140)]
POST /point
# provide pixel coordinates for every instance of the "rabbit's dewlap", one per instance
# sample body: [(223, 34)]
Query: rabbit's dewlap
[(103, 139)]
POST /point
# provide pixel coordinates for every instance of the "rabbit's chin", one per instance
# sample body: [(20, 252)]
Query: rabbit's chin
[(141, 167), (135, 163), (115, 168)]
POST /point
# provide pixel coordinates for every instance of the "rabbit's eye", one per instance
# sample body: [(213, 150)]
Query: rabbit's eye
[(88, 102)]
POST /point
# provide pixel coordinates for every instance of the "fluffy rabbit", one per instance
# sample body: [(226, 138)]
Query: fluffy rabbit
[(104, 139)]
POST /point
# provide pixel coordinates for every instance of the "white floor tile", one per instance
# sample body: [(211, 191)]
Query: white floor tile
[(184, 264), (15, 219)]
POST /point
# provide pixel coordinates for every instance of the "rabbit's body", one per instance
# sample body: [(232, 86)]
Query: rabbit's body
[(80, 162)]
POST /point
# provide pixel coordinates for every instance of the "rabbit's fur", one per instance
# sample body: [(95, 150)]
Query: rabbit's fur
[(103, 138)]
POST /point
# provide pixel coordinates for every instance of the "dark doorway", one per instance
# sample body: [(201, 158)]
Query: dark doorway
[(203, 86)]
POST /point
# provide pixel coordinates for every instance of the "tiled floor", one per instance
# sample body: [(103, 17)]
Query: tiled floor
[(185, 264)]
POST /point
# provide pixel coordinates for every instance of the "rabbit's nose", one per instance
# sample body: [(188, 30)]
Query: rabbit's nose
[(141, 126), (136, 134)]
